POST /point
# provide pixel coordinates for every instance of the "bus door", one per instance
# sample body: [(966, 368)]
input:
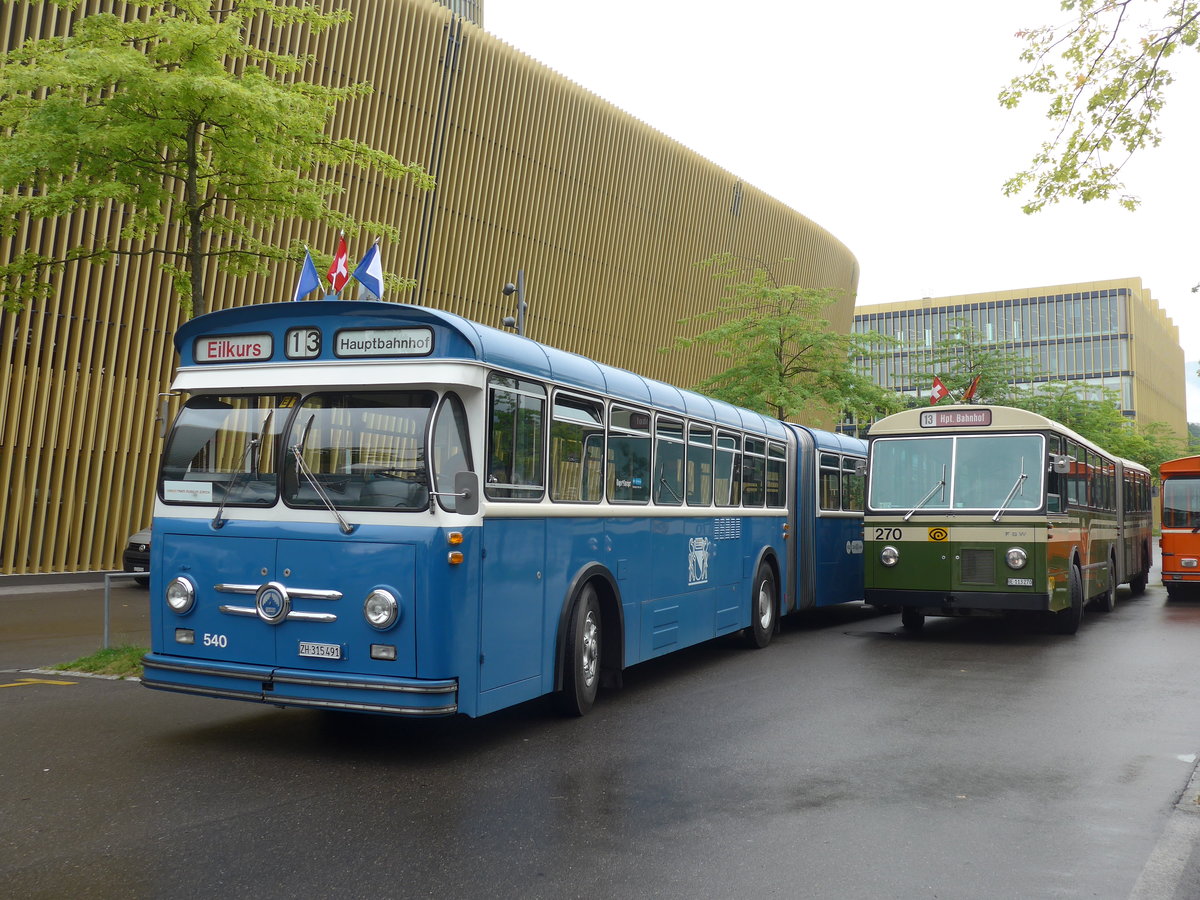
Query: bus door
[(512, 612)]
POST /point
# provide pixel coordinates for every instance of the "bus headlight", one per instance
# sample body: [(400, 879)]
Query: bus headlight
[(381, 609), (889, 556), (1016, 558), (181, 596)]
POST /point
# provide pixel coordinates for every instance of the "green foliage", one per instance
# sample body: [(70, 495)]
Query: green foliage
[(1104, 73), (200, 139), (963, 354), (787, 361), (1099, 419)]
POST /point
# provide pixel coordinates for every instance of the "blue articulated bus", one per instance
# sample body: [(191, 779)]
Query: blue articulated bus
[(386, 508)]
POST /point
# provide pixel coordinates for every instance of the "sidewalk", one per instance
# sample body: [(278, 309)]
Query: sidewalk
[(46, 620)]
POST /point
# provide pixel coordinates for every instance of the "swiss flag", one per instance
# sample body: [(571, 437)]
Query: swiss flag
[(939, 391), (339, 269)]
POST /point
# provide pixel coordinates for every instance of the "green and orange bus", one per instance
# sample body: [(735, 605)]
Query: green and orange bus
[(989, 510), (1180, 537)]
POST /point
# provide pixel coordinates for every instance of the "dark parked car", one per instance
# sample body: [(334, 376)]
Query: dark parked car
[(136, 557)]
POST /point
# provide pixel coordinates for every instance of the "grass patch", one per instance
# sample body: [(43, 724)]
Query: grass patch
[(124, 662)]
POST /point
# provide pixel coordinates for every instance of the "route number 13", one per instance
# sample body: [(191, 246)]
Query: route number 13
[(303, 343)]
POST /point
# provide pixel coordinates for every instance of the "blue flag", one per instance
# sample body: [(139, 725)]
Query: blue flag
[(369, 275), (309, 279)]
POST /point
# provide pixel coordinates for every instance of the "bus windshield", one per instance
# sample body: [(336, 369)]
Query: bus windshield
[(365, 449), (967, 472), (225, 450), (1181, 502)]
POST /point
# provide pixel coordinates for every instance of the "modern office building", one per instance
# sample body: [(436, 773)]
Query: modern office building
[(1110, 334), (606, 217)]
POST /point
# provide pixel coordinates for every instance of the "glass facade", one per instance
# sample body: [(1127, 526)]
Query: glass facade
[(1081, 336), (471, 10)]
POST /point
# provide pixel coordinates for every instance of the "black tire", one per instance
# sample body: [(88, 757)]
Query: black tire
[(581, 662), (1174, 592), (1067, 621), (1137, 584), (911, 619), (764, 608), (142, 582), (1107, 601)]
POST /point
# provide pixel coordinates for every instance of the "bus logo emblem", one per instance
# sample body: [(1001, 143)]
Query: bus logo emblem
[(698, 550), (272, 603), (939, 534)]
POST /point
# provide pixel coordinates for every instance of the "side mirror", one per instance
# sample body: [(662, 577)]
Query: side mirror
[(1061, 464), (466, 486), (860, 467)]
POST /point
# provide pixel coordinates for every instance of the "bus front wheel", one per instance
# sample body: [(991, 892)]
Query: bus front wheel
[(764, 608), (911, 619), (581, 664), (1067, 621)]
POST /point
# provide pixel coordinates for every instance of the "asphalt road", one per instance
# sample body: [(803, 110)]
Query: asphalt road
[(849, 759)]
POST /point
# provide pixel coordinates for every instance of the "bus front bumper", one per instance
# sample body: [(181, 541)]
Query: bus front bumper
[(959, 603), (293, 687)]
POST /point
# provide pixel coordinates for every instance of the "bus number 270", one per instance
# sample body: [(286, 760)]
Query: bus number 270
[(888, 534)]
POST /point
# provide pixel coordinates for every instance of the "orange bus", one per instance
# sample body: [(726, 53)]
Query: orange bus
[(1180, 541)]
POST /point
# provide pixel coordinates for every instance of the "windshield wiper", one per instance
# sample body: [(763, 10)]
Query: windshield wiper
[(303, 469), (1012, 492), (253, 442), (933, 490)]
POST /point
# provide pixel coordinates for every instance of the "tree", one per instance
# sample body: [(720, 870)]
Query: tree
[(788, 360), (964, 354), (203, 139), (1098, 418), (1105, 74)]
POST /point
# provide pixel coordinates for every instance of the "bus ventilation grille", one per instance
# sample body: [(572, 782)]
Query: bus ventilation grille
[(978, 567)]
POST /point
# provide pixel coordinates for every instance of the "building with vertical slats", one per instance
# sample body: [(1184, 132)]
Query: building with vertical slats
[(606, 217)]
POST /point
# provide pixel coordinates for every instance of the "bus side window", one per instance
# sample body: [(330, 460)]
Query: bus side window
[(628, 474), (451, 449), (576, 449), (517, 411), (668, 462), (728, 470), (776, 475), (699, 465), (853, 479), (831, 486), (754, 472)]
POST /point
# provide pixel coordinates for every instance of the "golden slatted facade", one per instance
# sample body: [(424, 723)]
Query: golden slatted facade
[(606, 217)]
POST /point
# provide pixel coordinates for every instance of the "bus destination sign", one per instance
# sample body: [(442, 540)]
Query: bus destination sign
[(220, 348), (383, 342), (956, 418)]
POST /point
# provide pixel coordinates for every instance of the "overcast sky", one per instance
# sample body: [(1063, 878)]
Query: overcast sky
[(879, 121)]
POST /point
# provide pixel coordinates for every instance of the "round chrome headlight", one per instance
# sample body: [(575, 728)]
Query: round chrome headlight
[(1016, 558), (180, 595), (381, 609), (889, 556)]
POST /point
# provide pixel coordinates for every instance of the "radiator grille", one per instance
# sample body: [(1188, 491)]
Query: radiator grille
[(978, 566)]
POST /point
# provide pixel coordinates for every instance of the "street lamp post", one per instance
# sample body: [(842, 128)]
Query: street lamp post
[(519, 290)]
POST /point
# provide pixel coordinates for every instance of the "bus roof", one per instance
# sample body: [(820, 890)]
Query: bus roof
[(455, 337), (1001, 418), (1185, 465)]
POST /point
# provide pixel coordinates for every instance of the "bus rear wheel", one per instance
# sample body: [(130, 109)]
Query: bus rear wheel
[(581, 663), (1067, 621), (764, 608)]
